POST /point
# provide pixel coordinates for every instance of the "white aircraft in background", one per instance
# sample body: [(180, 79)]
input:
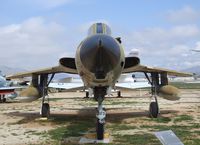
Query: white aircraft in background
[(6, 91), (196, 50), (125, 81)]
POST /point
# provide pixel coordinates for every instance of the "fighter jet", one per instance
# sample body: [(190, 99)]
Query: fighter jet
[(100, 60)]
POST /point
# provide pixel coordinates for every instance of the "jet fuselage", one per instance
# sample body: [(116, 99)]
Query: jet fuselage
[(100, 58)]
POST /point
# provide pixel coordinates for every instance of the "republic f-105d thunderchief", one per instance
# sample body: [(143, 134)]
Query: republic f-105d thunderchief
[(100, 61)]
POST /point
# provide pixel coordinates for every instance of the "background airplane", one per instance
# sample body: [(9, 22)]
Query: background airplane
[(126, 81), (196, 50), (6, 91), (100, 61)]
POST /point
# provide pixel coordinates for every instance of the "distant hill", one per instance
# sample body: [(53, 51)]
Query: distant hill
[(195, 69), (9, 70)]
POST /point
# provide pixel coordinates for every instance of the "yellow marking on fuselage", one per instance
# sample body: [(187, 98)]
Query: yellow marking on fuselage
[(104, 29)]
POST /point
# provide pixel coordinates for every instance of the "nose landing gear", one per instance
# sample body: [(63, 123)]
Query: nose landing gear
[(101, 115), (99, 94)]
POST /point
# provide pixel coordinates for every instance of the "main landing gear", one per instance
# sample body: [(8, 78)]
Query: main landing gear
[(45, 109), (153, 107), (2, 99), (99, 94)]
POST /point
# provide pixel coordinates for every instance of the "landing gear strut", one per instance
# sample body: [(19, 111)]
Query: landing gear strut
[(99, 94), (45, 109), (101, 115), (153, 107)]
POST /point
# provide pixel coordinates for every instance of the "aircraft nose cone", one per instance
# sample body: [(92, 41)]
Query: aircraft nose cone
[(100, 54)]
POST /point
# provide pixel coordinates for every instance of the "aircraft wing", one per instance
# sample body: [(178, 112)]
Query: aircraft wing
[(135, 85), (66, 86), (147, 69), (6, 90), (50, 70)]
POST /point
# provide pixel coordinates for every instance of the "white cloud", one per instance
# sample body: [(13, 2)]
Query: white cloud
[(178, 50), (37, 42), (155, 38), (184, 15), (165, 47), (51, 3), (184, 31), (34, 43), (197, 47), (189, 64)]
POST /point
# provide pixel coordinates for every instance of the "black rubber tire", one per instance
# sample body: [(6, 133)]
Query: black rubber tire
[(153, 110), (87, 94), (100, 130), (4, 100), (119, 94), (45, 110)]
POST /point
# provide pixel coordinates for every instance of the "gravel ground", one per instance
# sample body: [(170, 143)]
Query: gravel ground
[(20, 123)]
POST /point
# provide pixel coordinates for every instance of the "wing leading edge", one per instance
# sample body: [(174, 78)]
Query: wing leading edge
[(147, 69), (66, 65), (50, 70)]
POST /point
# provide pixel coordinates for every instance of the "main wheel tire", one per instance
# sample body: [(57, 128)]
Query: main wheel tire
[(119, 94), (45, 110), (87, 94), (153, 109), (100, 130), (4, 100)]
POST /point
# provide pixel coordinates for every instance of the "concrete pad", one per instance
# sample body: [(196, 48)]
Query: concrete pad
[(90, 137)]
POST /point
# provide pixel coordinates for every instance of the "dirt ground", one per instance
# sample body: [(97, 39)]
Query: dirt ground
[(20, 123)]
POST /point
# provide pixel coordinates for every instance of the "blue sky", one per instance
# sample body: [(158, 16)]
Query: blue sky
[(130, 13), (35, 33)]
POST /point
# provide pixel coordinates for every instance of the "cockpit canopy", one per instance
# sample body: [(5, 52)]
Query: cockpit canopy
[(99, 28)]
